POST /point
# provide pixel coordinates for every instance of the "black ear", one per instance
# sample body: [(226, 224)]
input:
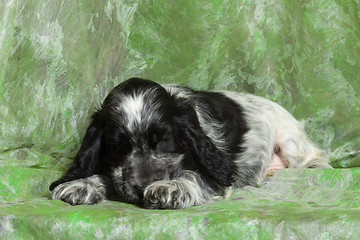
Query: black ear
[(87, 161), (212, 162)]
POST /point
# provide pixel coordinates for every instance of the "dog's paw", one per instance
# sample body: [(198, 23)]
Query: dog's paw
[(166, 194), (81, 191)]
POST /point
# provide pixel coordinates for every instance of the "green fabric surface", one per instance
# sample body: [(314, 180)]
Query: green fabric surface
[(59, 59)]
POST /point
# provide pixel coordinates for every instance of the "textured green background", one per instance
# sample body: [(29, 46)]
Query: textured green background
[(59, 59)]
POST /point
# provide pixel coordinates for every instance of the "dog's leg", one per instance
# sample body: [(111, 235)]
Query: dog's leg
[(188, 189), (297, 151), (276, 162), (88, 190)]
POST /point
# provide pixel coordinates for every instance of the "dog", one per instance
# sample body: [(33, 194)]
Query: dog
[(172, 147)]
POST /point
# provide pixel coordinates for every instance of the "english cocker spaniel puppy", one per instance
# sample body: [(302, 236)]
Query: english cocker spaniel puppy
[(167, 146)]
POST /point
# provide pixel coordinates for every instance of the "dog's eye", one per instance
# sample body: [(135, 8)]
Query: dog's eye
[(121, 145), (154, 139), (114, 147)]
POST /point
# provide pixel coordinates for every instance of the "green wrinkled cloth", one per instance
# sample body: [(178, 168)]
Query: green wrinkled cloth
[(59, 59)]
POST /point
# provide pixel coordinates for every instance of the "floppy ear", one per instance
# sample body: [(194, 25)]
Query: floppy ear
[(212, 162), (87, 161)]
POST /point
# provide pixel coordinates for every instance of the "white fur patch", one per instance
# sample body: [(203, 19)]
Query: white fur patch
[(117, 172), (133, 106), (139, 109), (271, 125)]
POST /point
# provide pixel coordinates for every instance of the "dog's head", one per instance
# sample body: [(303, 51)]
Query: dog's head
[(143, 134), (139, 140)]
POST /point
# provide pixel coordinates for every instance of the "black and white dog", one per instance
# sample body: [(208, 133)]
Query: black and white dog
[(174, 147)]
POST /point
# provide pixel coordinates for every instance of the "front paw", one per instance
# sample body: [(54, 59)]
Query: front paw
[(79, 191), (166, 194)]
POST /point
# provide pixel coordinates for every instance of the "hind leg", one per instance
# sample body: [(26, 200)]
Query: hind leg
[(276, 163), (297, 151)]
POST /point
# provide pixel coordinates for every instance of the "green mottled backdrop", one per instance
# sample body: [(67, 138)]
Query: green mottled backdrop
[(59, 59)]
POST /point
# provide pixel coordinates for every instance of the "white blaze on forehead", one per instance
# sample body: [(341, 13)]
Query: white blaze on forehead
[(133, 107), (139, 109)]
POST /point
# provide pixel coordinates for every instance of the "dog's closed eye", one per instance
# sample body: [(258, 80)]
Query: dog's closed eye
[(118, 147), (154, 139), (156, 135)]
